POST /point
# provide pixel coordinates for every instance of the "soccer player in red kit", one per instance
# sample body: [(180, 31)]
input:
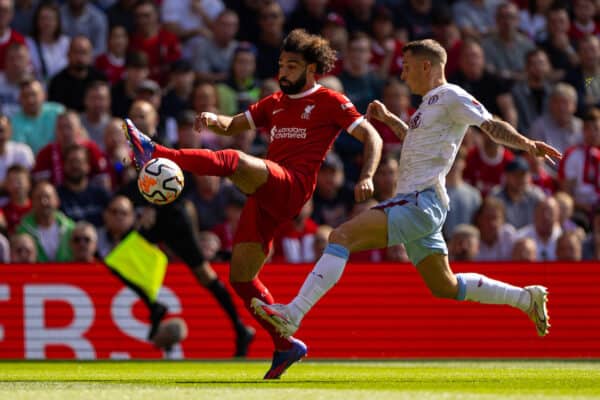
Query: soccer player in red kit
[(303, 119)]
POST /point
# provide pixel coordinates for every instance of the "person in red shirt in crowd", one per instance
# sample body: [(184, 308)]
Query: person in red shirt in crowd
[(584, 22), (294, 241), (112, 63), (234, 205), (8, 35), (336, 34), (447, 33), (161, 46), (486, 164), (17, 185), (386, 50), (303, 120), (49, 163), (579, 170)]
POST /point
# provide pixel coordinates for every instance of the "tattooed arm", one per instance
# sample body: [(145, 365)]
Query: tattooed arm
[(502, 132)]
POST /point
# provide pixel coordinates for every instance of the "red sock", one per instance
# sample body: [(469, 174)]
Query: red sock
[(201, 161), (255, 288)]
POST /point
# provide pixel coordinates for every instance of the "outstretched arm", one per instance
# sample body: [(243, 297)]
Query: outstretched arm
[(372, 145), (222, 124), (502, 132)]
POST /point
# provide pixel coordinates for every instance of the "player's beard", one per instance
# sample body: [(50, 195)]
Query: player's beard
[(293, 87)]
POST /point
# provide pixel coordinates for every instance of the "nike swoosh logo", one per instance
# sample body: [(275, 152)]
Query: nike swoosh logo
[(278, 111)]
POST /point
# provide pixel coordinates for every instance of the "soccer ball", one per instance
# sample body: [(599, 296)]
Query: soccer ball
[(160, 181)]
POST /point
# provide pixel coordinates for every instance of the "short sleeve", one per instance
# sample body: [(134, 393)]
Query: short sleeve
[(258, 113), (468, 111), (344, 113)]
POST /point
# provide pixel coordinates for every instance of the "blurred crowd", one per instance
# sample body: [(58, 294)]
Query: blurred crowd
[(71, 70)]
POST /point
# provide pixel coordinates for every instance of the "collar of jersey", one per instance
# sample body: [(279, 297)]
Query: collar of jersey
[(305, 93), (434, 90)]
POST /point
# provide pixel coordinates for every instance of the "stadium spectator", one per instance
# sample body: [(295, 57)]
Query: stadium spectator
[(533, 19), (586, 77), (518, 194), (336, 34), (310, 15), (124, 92), (485, 163), (333, 198), (241, 88), (358, 15), (271, 22), (35, 123), (525, 250), (47, 44), (591, 244), (491, 90), (360, 83), (579, 170), (22, 20), (545, 229), (121, 13), (117, 154), (386, 49), (497, 236), (190, 19), (448, 35), (17, 68), (181, 85), (464, 243), (416, 17), (559, 126), (234, 204), (69, 85), (385, 179), (17, 186), (79, 199), (118, 218), (96, 114), (112, 62), (205, 99), (150, 92), (22, 249), (294, 241), (211, 56), (584, 23), (12, 153), (50, 228), (558, 46), (160, 45), (506, 48), (566, 207), (187, 137), (542, 176), (49, 162), (475, 18), (569, 247), (532, 94), (80, 18), (209, 199), (84, 243), (8, 35), (464, 198)]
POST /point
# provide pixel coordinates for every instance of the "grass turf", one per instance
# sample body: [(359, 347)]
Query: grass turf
[(307, 381)]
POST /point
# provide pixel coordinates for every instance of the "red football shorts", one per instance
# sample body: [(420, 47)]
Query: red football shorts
[(280, 199)]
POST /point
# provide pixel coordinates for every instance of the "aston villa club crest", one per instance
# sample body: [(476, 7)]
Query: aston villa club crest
[(415, 121), (433, 99)]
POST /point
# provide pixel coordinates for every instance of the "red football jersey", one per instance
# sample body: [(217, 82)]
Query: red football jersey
[(113, 71), (485, 173), (162, 50), (302, 127)]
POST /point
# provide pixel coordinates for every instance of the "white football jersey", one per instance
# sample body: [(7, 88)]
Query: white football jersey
[(433, 138)]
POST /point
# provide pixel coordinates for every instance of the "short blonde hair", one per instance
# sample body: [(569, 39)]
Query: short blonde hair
[(428, 49)]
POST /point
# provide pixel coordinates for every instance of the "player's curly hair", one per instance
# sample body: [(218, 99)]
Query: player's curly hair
[(314, 49)]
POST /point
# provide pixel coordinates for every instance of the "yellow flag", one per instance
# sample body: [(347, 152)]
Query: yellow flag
[(140, 262)]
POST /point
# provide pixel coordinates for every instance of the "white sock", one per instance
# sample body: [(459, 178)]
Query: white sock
[(324, 276), (480, 288)]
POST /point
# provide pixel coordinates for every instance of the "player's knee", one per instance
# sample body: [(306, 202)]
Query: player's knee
[(339, 236), (444, 291)]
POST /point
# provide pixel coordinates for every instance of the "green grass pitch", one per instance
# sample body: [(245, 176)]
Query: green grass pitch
[(310, 380)]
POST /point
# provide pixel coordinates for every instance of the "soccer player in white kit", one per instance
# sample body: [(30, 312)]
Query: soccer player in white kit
[(416, 215)]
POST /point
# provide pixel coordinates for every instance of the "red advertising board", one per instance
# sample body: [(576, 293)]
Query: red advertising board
[(376, 311)]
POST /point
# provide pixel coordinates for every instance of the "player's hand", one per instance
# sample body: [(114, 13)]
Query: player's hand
[(363, 189), (377, 110), (206, 120), (541, 149)]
